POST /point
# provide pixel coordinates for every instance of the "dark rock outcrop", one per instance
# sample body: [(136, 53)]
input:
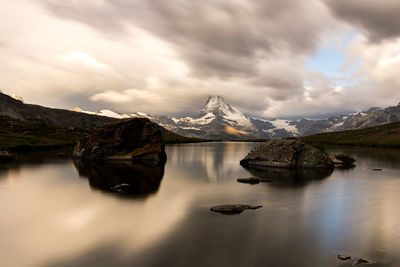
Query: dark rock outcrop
[(233, 208), (287, 153), (136, 139)]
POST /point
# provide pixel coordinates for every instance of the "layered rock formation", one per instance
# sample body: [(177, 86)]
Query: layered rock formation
[(131, 139)]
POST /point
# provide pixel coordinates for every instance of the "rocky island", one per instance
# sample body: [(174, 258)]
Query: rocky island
[(289, 153), (138, 140)]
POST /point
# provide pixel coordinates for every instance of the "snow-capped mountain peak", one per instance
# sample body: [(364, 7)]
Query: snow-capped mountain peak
[(216, 106)]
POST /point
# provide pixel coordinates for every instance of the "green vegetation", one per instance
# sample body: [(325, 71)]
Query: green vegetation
[(18, 135), (172, 138), (387, 135), (29, 135)]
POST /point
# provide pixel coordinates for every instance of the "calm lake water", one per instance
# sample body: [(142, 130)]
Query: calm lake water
[(58, 213)]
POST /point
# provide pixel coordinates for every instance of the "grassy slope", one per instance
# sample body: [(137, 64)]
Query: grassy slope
[(173, 138), (17, 135), (387, 135)]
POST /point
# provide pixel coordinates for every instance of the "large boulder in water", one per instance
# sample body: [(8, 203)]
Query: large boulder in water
[(136, 139), (287, 153)]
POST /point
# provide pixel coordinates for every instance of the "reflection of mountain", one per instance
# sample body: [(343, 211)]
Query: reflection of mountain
[(212, 162), (137, 179), (290, 177)]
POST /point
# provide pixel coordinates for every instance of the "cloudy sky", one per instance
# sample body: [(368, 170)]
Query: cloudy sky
[(271, 58)]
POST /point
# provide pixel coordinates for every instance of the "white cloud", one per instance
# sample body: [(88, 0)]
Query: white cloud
[(128, 95)]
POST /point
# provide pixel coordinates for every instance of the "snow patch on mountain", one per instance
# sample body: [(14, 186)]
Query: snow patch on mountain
[(284, 124), (103, 112), (206, 119)]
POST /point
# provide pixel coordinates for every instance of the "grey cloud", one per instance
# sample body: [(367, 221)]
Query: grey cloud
[(380, 19), (97, 15), (215, 38)]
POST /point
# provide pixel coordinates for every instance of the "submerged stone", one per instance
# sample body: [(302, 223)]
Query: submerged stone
[(233, 208), (344, 258), (6, 156), (121, 188), (253, 180), (360, 261)]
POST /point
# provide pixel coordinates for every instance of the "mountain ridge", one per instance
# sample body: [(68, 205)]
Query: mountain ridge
[(215, 120)]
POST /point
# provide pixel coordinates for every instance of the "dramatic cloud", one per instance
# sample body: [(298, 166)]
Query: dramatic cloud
[(216, 37), (166, 57), (379, 19)]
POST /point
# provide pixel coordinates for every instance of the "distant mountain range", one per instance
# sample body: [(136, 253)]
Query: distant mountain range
[(216, 120), (219, 120)]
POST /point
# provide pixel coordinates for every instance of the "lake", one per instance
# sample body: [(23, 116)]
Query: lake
[(55, 212)]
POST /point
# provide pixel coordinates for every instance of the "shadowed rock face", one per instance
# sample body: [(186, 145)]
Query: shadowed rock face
[(122, 177), (287, 153), (136, 139)]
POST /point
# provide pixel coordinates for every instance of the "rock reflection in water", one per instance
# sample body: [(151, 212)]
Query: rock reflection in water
[(123, 178), (290, 177)]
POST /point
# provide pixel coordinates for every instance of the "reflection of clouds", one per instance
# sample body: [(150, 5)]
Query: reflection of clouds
[(355, 212), (47, 208), (52, 216)]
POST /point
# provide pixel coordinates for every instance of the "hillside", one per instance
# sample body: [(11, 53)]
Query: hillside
[(32, 134), (19, 135), (16, 109), (387, 135)]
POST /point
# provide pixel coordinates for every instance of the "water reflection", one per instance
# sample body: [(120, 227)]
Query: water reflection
[(211, 162), (123, 178), (290, 177), (306, 219)]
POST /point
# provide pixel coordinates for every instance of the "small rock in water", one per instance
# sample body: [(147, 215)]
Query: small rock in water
[(377, 169), (121, 188), (233, 208), (343, 258), (360, 261), (6, 156), (253, 180)]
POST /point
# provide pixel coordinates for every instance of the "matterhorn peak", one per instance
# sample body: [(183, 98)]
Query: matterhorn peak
[(215, 105)]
